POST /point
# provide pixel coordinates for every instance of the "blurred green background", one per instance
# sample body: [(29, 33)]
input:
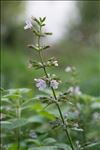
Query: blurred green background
[(80, 47)]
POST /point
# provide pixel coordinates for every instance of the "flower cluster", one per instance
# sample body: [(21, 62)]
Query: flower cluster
[(52, 62), (70, 69), (41, 84), (75, 90)]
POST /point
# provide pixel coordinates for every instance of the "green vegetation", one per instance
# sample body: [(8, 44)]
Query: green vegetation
[(37, 126), (30, 119)]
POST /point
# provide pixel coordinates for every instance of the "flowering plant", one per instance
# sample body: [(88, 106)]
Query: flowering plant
[(71, 110), (50, 81)]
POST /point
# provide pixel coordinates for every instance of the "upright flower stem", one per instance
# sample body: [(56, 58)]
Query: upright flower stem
[(55, 97)]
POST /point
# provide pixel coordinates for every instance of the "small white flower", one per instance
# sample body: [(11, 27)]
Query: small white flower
[(55, 63), (54, 84), (71, 89), (68, 69), (40, 84), (28, 25), (75, 90)]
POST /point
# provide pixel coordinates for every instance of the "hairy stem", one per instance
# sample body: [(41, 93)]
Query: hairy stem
[(54, 94)]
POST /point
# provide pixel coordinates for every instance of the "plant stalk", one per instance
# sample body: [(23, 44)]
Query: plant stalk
[(54, 94)]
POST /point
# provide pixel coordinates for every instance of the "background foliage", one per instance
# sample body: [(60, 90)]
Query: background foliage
[(80, 48)]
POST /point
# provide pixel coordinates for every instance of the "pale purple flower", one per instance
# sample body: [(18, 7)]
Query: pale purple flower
[(54, 84), (68, 69), (40, 84), (75, 90), (28, 24)]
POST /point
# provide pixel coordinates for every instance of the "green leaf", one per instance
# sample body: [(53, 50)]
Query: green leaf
[(5, 124), (36, 32), (20, 90), (95, 105), (12, 96), (48, 33), (35, 119), (45, 99), (47, 115), (43, 24), (27, 103), (44, 18), (14, 123), (5, 99), (90, 145), (45, 47), (63, 146), (33, 47), (59, 146), (49, 141), (35, 141), (77, 129), (38, 49), (44, 148), (37, 21), (35, 64), (40, 19)]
